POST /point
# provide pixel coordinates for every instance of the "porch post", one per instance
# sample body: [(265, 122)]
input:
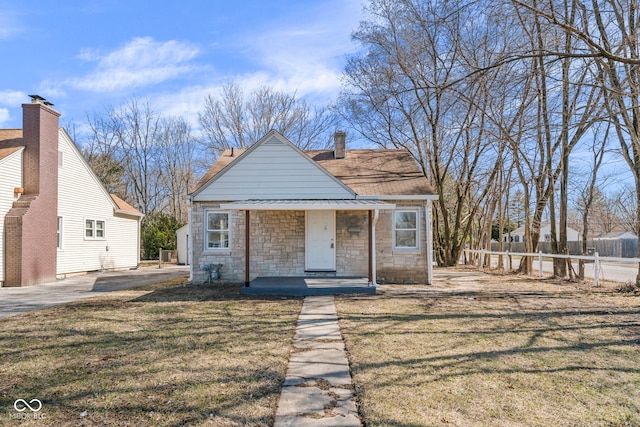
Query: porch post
[(370, 247), (247, 230), (374, 276)]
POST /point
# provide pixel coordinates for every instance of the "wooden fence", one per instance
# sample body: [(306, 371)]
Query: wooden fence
[(619, 248)]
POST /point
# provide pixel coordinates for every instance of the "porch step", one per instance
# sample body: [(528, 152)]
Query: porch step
[(308, 286), (320, 274)]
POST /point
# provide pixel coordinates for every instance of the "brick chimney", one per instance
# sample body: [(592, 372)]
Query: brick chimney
[(340, 144), (31, 224)]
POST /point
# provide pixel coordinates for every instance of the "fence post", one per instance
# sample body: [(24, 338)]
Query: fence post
[(481, 260), (540, 263), (508, 262), (160, 258), (596, 269)]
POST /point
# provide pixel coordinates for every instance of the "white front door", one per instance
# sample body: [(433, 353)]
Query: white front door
[(320, 240)]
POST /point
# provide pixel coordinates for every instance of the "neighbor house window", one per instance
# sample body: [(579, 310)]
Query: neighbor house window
[(405, 229), (94, 229), (59, 232), (217, 235)]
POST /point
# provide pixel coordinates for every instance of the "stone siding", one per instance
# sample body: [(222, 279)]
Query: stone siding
[(352, 243), (400, 266), (278, 246)]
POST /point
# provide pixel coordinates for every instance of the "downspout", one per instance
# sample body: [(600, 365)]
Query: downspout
[(189, 241), (429, 241)]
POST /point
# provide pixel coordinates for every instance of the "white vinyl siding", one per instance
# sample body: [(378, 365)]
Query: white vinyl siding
[(82, 198), (274, 170), (11, 171)]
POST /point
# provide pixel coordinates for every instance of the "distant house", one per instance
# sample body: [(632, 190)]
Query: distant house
[(616, 235), (517, 235), (274, 210), (56, 218)]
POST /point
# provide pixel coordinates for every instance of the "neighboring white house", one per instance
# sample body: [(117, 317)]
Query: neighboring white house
[(183, 244), (99, 231), (517, 235), (56, 218), (10, 179)]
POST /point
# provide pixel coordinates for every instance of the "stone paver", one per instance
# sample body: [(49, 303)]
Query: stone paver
[(318, 390)]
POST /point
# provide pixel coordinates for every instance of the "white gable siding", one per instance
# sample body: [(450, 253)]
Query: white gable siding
[(80, 197), (273, 170), (10, 178)]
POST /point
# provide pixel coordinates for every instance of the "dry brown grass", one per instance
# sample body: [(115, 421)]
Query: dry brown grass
[(157, 355), (481, 350)]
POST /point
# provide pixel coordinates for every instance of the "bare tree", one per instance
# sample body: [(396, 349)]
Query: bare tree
[(608, 32), (176, 166), (589, 193), (406, 91), (626, 208), (233, 119), (143, 157)]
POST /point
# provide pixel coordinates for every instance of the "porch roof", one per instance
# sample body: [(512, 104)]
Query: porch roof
[(303, 205)]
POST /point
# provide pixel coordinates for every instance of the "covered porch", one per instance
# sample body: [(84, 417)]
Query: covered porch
[(308, 286), (326, 243)]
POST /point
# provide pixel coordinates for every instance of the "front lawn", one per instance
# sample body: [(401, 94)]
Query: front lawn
[(165, 354), (494, 351)]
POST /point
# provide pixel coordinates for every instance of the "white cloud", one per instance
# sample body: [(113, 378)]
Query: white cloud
[(141, 62), (10, 25), (307, 56), (12, 98), (4, 115)]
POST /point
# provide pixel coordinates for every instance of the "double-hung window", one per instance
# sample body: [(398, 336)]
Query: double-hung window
[(94, 229), (217, 234), (405, 229)]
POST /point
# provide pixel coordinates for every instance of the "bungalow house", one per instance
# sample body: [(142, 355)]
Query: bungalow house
[(56, 218), (273, 210)]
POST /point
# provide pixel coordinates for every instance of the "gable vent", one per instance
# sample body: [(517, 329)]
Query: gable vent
[(273, 141)]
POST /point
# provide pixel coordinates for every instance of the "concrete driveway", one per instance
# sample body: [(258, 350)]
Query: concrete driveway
[(21, 300)]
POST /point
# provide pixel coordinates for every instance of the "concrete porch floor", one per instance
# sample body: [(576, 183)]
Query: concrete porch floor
[(308, 286)]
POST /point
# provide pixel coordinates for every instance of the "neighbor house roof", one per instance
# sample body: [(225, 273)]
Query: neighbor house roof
[(125, 207), (10, 141), (368, 172), (616, 235)]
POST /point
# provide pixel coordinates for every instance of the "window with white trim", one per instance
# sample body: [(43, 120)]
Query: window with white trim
[(217, 230), (405, 229), (59, 232), (94, 229)]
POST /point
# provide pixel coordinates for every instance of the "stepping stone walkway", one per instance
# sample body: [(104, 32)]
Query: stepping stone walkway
[(317, 389)]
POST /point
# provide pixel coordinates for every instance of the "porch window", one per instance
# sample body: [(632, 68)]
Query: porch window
[(217, 235), (405, 229)]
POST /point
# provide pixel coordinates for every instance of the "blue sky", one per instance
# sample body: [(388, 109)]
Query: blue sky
[(86, 55)]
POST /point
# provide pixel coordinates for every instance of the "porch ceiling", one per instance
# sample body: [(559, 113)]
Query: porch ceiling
[(303, 205)]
